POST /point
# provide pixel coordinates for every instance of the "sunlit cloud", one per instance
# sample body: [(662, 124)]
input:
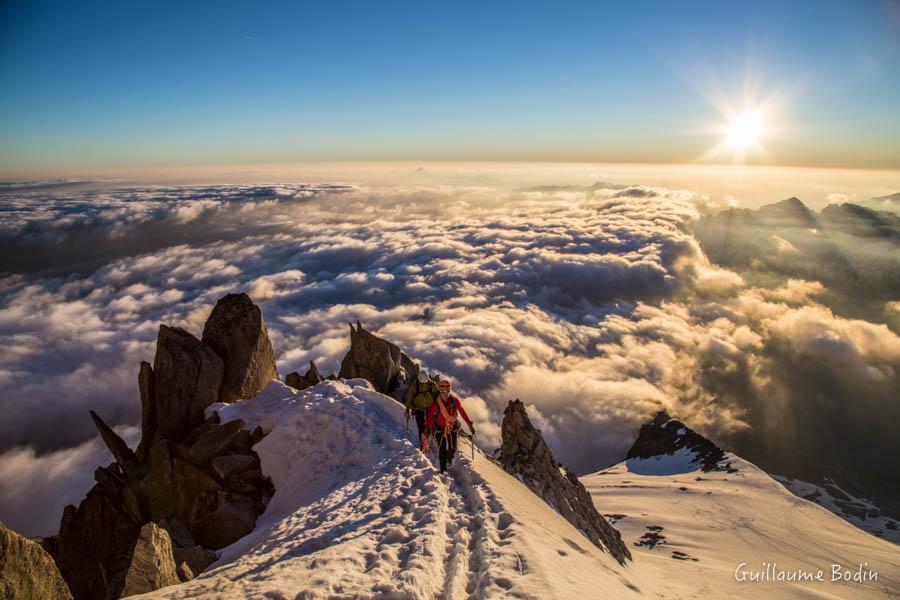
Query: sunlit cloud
[(596, 304)]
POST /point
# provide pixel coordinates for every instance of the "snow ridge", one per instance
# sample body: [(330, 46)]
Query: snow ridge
[(358, 511)]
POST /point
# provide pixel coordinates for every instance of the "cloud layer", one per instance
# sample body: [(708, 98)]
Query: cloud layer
[(595, 305)]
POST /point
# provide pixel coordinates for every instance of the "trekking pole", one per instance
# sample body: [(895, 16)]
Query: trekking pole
[(407, 422)]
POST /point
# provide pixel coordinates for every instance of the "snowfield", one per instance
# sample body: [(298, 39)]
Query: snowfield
[(724, 519), (359, 512), (861, 512)]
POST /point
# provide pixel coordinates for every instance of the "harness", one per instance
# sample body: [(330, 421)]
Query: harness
[(449, 420)]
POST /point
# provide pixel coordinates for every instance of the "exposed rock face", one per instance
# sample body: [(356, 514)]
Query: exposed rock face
[(233, 464), (301, 382), (525, 455), (199, 473), (184, 550), (152, 565), (213, 488), (148, 410), (665, 436), (27, 572), (237, 333), (96, 539), (372, 358), (187, 379)]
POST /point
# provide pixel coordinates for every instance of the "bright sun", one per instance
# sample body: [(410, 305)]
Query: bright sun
[(744, 131)]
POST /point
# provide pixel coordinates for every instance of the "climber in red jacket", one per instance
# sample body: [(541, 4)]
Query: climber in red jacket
[(443, 415)]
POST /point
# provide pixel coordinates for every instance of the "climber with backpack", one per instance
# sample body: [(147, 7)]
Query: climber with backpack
[(419, 398), (443, 417)]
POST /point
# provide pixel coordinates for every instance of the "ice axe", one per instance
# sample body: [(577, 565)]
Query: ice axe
[(469, 437)]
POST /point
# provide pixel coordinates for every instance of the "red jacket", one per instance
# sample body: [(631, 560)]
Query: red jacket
[(453, 406)]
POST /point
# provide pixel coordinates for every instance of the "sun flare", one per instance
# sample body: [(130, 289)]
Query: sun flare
[(744, 131)]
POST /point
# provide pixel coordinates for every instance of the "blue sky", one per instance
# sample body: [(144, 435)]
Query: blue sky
[(107, 85)]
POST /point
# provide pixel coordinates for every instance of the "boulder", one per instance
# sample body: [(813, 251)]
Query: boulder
[(196, 557), (525, 455), (27, 571), (371, 358), (237, 332), (187, 379), (231, 464), (664, 436), (233, 518), (215, 440), (152, 565), (184, 572)]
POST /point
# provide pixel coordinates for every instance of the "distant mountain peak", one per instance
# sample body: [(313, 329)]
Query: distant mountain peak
[(790, 211), (665, 436)]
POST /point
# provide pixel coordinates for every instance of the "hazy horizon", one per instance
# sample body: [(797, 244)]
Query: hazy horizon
[(745, 186)]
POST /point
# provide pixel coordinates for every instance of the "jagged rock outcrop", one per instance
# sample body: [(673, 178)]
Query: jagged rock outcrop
[(665, 436), (117, 446), (196, 471), (377, 360), (187, 377), (27, 571), (525, 454), (371, 358), (152, 564), (309, 379), (237, 332)]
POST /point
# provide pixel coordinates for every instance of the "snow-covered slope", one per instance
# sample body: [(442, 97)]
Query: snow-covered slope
[(691, 530), (860, 511), (359, 512)]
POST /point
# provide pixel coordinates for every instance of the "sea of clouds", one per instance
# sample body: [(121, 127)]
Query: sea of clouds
[(595, 305)]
